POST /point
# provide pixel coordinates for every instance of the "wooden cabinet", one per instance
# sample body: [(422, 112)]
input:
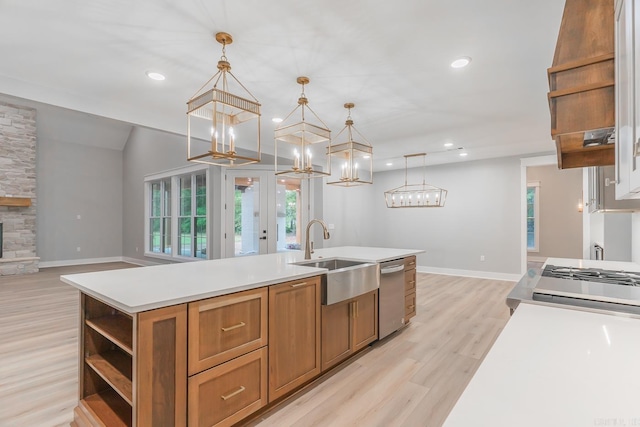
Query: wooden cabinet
[(226, 394), (225, 327), (228, 337), (337, 334), (161, 367), (347, 327), (112, 392), (627, 150), (294, 335), (365, 320), (409, 288)]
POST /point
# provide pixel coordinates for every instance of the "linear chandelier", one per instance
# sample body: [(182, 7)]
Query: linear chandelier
[(351, 161), (420, 195), (224, 119), (299, 146)]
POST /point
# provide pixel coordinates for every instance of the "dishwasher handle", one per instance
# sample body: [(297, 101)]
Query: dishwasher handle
[(392, 269)]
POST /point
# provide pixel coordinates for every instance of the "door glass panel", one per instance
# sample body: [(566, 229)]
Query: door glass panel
[(246, 216), (288, 214), (184, 219)]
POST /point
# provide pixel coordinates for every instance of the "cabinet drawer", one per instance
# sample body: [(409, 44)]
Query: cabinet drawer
[(409, 306), (226, 394), (409, 281), (225, 327), (410, 262)]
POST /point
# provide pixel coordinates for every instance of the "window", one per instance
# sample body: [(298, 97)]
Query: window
[(192, 217), (177, 212), (533, 216), (160, 217)]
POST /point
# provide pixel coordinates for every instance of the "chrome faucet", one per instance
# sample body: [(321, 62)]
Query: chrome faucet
[(308, 249)]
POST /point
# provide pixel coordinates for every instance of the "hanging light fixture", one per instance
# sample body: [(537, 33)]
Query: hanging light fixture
[(223, 118), (300, 145), (415, 195), (351, 161)]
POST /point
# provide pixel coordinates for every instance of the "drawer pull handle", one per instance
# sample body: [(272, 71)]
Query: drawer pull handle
[(411, 307), (297, 285), (413, 282), (230, 328), (412, 263), (230, 395)]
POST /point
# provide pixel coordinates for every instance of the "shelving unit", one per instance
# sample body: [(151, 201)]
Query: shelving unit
[(106, 374)]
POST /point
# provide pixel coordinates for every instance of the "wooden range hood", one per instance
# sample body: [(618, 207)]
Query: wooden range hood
[(582, 82)]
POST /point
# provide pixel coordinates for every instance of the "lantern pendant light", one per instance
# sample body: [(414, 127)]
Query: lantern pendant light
[(415, 195), (300, 150), (220, 121), (351, 161)]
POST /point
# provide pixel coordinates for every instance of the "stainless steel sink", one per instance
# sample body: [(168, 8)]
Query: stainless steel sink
[(345, 279)]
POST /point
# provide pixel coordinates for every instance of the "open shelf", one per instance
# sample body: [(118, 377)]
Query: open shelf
[(117, 328), (115, 368), (109, 408), (24, 202)]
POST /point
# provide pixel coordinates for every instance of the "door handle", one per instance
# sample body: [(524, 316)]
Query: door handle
[(263, 238)]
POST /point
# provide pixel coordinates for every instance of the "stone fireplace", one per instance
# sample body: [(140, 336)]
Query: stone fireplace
[(18, 189)]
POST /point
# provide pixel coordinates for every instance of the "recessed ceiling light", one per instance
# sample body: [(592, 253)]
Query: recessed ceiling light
[(461, 62), (463, 154), (448, 144), (276, 120), (366, 156), (155, 76), (389, 164)]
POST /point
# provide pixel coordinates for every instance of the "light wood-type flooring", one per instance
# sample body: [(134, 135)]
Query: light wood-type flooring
[(413, 378)]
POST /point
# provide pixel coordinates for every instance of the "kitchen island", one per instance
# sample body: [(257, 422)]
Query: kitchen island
[(211, 342)]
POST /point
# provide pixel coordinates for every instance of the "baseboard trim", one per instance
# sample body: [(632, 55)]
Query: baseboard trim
[(470, 273), (537, 258), (140, 262), (68, 262)]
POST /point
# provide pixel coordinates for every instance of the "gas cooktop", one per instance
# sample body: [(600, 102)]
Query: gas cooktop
[(628, 278), (589, 287)]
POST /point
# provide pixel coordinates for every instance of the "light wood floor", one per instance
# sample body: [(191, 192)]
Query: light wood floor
[(39, 347), (412, 378)]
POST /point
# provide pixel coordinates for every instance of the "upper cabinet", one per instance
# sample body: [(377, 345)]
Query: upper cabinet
[(581, 85), (627, 43)]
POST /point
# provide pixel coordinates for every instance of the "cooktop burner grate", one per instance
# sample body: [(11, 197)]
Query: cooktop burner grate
[(627, 278)]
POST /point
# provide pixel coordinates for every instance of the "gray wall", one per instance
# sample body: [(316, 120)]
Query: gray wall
[(481, 216), (560, 221), (635, 237), (617, 237), (351, 212), (74, 180), (150, 151)]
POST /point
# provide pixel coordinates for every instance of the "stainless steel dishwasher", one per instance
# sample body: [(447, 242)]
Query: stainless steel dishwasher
[(391, 297)]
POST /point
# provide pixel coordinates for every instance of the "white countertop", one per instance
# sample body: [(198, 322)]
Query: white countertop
[(138, 289), (556, 367)]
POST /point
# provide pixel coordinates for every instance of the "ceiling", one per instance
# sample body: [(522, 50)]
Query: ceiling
[(390, 58)]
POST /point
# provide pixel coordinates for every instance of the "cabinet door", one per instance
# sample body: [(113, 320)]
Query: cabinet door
[(626, 109), (294, 335), (225, 327), (161, 367), (336, 333), (629, 18), (365, 320)]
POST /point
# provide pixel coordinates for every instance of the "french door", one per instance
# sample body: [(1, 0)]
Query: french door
[(263, 213)]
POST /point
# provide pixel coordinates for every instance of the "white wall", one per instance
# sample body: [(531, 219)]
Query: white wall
[(481, 217)]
